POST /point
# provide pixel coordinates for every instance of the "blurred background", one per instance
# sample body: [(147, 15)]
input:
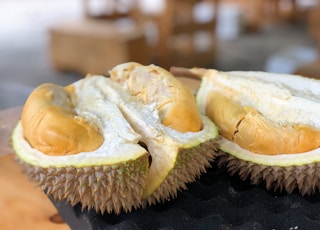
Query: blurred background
[(61, 41)]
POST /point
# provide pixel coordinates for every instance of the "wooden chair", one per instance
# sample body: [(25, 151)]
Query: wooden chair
[(179, 34), (312, 69), (259, 13)]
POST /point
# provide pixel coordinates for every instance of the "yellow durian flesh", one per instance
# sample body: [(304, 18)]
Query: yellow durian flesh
[(52, 126), (154, 85), (248, 128)]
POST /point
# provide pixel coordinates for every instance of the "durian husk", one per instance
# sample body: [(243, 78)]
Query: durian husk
[(94, 187), (305, 178), (189, 158), (102, 186), (122, 186), (269, 126)]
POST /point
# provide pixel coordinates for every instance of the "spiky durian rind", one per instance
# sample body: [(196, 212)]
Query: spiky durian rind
[(305, 178), (108, 188), (190, 164)]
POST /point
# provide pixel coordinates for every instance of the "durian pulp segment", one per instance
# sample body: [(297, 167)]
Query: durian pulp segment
[(293, 100), (120, 140), (51, 125), (154, 85), (163, 143)]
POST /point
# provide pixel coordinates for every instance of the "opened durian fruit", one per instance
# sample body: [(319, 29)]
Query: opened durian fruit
[(269, 124), (115, 143)]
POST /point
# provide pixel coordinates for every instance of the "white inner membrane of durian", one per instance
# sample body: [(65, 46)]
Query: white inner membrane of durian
[(293, 100), (282, 99), (124, 122)]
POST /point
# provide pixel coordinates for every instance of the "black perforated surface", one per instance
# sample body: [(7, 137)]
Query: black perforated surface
[(215, 201)]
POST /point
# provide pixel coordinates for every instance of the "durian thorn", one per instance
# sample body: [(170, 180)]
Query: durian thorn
[(194, 73)]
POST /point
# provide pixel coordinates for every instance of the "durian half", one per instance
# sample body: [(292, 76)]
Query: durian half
[(98, 143), (270, 126)]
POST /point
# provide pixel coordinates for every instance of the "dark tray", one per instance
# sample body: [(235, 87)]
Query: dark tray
[(215, 201)]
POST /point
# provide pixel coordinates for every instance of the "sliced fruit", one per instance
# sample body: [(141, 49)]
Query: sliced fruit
[(142, 159), (269, 124)]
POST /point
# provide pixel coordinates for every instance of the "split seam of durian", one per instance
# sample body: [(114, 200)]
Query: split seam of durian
[(163, 142)]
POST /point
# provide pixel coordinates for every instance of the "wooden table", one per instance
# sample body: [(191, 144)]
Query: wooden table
[(22, 205)]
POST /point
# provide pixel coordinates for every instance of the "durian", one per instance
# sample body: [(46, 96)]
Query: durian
[(269, 126), (115, 144)]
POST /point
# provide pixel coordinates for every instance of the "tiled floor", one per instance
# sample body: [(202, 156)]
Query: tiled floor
[(24, 57)]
